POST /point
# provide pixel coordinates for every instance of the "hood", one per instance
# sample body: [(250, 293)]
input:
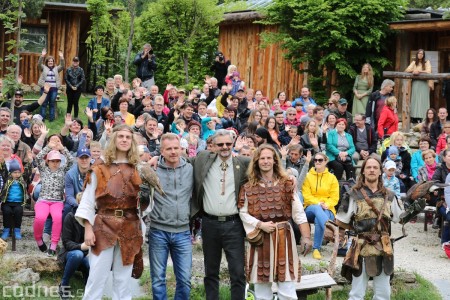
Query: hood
[(162, 163), (313, 171)]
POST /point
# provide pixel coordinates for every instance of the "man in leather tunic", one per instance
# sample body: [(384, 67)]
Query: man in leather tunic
[(370, 210), (108, 211), (267, 202)]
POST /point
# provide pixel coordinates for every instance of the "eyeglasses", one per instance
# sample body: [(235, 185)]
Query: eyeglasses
[(221, 144), (291, 114), (320, 160)]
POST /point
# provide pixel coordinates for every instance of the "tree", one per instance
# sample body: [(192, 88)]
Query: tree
[(132, 11), (10, 18), (184, 36), (332, 36)]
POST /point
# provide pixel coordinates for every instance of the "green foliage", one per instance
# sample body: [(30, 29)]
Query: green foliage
[(184, 36), (9, 15), (332, 35), (428, 3), (33, 9)]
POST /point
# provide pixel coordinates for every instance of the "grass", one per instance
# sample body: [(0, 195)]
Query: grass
[(423, 289), (58, 123)]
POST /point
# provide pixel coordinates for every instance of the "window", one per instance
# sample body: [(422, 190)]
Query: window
[(35, 39)]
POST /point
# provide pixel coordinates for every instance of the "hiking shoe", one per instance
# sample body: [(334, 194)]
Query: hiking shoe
[(43, 247), (316, 254), (17, 234), (5, 234), (64, 292), (51, 252)]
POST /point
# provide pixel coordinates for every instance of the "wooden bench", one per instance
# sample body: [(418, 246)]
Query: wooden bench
[(58, 100), (310, 284), (26, 213)]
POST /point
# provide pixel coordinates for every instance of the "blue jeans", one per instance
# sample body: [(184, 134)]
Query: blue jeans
[(315, 213), (445, 234), (179, 245), (75, 260), (50, 100)]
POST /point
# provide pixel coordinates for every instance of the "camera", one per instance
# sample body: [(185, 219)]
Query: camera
[(219, 54)]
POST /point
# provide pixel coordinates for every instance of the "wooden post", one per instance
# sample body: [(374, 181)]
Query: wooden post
[(406, 105)]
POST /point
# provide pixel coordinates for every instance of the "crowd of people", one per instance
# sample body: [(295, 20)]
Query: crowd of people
[(231, 164)]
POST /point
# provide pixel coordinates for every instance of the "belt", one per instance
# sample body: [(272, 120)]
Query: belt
[(118, 213), (222, 218)]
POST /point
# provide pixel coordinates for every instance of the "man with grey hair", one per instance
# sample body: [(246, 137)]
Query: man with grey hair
[(145, 62), (217, 201), (376, 102), (21, 149)]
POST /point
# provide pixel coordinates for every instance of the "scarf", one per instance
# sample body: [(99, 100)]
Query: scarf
[(430, 170)]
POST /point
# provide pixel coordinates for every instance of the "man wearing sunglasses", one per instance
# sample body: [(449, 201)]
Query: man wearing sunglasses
[(217, 179)]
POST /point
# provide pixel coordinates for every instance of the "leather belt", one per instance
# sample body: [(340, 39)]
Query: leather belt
[(222, 218), (118, 213)]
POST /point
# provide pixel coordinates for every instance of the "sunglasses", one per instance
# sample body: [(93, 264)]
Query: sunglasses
[(221, 144), (320, 160), (331, 103)]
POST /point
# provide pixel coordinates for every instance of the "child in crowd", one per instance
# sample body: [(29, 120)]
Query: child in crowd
[(96, 151), (389, 180), (13, 198), (393, 156), (50, 201), (287, 135)]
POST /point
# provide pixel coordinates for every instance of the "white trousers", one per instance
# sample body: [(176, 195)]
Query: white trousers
[(381, 286), (286, 291), (100, 266)]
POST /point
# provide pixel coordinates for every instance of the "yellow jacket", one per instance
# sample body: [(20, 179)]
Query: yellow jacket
[(321, 187)]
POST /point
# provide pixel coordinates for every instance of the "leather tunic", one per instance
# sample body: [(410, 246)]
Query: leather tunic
[(117, 190), (271, 204)]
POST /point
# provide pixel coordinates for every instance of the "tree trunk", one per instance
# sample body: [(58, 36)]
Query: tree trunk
[(186, 68), (132, 10), (17, 71)]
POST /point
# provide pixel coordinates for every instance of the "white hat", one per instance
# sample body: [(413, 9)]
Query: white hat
[(390, 164)]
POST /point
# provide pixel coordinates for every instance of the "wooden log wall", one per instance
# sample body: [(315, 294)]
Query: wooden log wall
[(63, 34), (263, 69)]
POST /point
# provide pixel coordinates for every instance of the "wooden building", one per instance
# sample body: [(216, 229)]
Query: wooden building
[(261, 68), (422, 29), (62, 26)]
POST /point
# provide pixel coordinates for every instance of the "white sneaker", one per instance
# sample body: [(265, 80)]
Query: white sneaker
[(46, 238)]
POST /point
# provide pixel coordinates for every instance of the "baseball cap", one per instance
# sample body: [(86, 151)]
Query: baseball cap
[(53, 155), (83, 152), (342, 101), (18, 93), (390, 164), (241, 90)]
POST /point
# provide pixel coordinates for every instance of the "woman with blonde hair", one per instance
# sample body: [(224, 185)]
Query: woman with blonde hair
[(311, 140), (255, 116), (362, 89), (321, 194)]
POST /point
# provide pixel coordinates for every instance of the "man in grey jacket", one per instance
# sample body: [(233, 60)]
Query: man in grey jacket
[(169, 230)]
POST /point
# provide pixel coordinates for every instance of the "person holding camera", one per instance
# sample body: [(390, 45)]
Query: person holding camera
[(145, 62), (220, 68), (340, 148)]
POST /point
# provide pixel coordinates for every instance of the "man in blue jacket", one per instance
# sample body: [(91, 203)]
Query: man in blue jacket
[(305, 99), (75, 178)]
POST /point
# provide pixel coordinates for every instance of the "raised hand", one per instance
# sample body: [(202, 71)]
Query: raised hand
[(46, 87), (44, 130), (108, 125), (239, 143), (68, 120), (44, 52), (140, 121), (61, 54), (19, 79), (89, 113), (308, 157), (284, 151)]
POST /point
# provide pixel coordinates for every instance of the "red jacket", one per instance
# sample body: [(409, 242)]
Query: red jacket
[(388, 119)]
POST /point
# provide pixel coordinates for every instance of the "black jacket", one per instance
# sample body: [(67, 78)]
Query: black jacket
[(72, 236), (441, 173), (220, 71), (370, 108), (372, 138), (145, 68), (435, 132)]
